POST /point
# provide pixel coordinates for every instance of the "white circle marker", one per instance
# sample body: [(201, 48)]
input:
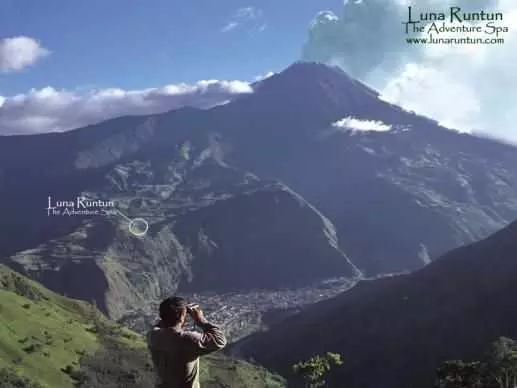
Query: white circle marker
[(138, 226)]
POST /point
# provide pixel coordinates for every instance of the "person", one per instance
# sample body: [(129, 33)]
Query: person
[(174, 351)]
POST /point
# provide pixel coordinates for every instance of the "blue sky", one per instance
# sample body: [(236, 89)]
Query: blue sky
[(135, 44), (70, 63)]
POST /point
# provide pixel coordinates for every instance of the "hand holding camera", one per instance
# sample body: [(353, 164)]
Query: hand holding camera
[(196, 313)]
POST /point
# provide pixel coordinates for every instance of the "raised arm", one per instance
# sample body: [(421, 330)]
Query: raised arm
[(211, 339)]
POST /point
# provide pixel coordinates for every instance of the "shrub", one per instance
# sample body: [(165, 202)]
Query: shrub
[(32, 348), (114, 366), (314, 370), (9, 378)]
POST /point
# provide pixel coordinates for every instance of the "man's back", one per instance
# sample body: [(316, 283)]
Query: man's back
[(176, 353)]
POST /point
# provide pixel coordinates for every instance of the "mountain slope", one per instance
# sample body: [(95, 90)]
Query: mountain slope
[(394, 332), (41, 332), (271, 231), (248, 235), (396, 199), (417, 190), (48, 338)]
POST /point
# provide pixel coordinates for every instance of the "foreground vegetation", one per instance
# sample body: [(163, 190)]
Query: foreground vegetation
[(41, 332), (313, 371), (49, 341), (116, 365), (497, 370)]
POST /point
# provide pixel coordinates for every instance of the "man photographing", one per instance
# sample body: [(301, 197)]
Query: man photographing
[(175, 352)]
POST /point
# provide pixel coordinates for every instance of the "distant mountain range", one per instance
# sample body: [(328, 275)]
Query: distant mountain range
[(271, 190), (395, 332)]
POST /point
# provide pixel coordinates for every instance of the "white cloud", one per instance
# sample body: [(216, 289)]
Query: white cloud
[(230, 26), (324, 17), (17, 53), (250, 17), (248, 13), (262, 77), (48, 109), (434, 93), (353, 124), (470, 87), (466, 87)]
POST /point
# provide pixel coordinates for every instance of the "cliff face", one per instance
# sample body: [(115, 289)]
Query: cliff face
[(270, 238), (120, 276)]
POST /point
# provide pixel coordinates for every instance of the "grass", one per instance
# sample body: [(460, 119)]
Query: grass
[(218, 371), (42, 333), (44, 336)]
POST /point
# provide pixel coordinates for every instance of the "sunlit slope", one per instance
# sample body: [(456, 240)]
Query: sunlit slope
[(42, 332), (44, 336)]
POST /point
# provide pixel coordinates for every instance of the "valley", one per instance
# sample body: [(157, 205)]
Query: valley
[(242, 313)]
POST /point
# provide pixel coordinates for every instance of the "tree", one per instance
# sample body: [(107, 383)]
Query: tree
[(460, 374), (314, 370), (497, 370), (502, 362)]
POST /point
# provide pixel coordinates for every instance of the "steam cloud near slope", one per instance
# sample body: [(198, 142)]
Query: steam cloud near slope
[(353, 124), (466, 87)]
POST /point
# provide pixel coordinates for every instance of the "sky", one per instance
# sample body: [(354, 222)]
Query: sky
[(467, 87), (135, 44), (68, 63)]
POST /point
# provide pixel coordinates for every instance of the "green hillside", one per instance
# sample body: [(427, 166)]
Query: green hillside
[(47, 338), (42, 332), (221, 372)]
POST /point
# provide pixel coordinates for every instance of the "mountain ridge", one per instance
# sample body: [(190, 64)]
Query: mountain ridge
[(416, 191), (191, 250), (401, 328)]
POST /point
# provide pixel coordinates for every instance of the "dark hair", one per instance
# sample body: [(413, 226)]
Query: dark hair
[(171, 309)]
